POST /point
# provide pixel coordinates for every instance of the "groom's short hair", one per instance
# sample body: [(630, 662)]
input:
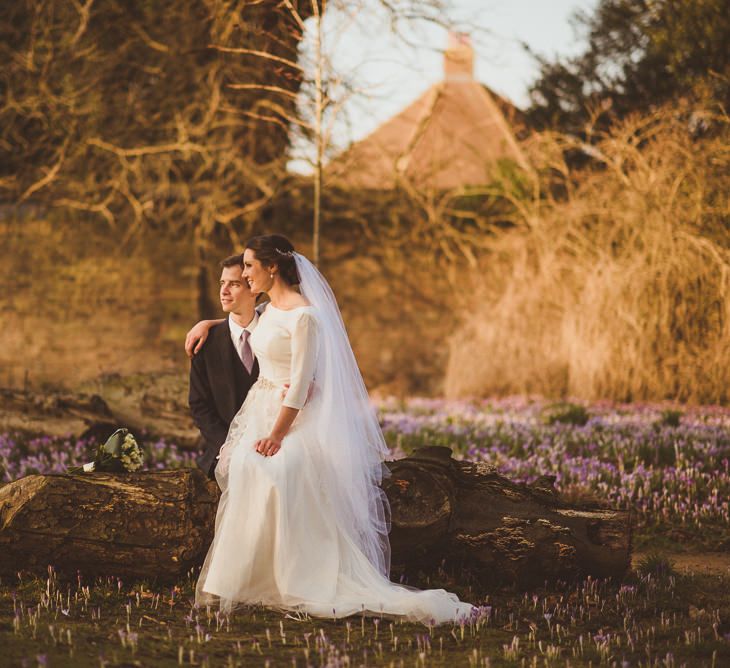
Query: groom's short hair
[(232, 261)]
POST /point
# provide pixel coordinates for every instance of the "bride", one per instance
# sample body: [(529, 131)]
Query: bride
[(302, 523)]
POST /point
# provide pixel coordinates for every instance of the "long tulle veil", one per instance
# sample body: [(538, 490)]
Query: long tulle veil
[(347, 428)]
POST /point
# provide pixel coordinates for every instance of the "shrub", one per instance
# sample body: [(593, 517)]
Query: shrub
[(574, 414), (670, 418), (617, 288)]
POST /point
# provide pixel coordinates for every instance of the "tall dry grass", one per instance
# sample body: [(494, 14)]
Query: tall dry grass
[(620, 287)]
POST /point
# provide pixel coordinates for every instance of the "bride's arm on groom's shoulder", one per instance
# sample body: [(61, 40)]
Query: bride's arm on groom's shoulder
[(196, 337)]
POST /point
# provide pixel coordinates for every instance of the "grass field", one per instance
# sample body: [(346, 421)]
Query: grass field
[(670, 465)]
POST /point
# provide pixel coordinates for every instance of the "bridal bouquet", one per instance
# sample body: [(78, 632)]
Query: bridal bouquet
[(121, 453)]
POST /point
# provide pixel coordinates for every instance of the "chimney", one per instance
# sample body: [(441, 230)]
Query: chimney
[(459, 58)]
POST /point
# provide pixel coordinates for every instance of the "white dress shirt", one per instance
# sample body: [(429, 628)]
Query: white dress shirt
[(237, 330)]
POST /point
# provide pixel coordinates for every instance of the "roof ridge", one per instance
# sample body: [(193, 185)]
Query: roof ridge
[(505, 128), (404, 159)]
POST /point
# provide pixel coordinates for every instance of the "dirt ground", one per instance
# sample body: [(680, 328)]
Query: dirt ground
[(691, 563)]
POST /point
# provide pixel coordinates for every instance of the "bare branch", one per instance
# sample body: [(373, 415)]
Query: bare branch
[(148, 150), (295, 14), (153, 44), (272, 89), (103, 209), (84, 15), (288, 118), (259, 54), (49, 177)]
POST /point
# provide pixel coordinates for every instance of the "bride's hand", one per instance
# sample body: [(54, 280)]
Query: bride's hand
[(267, 446), (196, 337)]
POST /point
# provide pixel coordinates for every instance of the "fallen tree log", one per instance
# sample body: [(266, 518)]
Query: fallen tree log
[(492, 530), (159, 524), (137, 525)]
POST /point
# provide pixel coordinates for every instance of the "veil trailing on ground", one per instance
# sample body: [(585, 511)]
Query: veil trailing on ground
[(348, 427)]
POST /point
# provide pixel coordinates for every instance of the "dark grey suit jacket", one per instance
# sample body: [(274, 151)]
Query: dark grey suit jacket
[(219, 384)]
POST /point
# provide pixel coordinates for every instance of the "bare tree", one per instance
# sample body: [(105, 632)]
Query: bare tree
[(326, 87), (123, 112)]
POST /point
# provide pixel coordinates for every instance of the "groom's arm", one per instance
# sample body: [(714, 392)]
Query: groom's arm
[(202, 405)]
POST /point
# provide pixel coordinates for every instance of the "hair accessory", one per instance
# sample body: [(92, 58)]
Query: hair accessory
[(284, 253)]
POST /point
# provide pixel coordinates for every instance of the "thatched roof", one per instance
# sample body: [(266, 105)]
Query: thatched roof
[(449, 137)]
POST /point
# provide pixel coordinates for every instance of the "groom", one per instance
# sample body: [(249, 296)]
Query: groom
[(222, 373)]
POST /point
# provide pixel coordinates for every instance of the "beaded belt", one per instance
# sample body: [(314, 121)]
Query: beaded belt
[(265, 384)]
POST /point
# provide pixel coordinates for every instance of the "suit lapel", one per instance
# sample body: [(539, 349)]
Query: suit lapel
[(229, 356), (229, 373)]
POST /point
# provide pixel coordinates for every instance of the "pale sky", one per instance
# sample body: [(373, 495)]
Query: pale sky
[(393, 73)]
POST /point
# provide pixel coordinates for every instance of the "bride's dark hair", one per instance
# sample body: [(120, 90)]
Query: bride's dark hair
[(276, 249)]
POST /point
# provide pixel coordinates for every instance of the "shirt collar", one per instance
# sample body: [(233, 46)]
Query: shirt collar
[(237, 330)]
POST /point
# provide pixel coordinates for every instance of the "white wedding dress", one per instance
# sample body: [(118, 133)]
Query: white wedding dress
[(278, 538)]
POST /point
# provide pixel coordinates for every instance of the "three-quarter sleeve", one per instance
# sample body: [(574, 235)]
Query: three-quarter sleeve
[(304, 348)]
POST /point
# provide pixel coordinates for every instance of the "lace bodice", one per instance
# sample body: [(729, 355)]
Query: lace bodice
[(285, 344)]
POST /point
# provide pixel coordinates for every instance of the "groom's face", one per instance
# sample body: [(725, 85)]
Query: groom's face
[(235, 294)]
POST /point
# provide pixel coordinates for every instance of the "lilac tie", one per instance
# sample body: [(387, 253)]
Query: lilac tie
[(244, 350)]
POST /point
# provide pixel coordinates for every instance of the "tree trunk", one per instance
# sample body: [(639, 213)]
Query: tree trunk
[(206, 308), (160, 524)]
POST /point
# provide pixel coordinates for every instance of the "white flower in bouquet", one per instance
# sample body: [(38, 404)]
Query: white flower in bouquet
[(119, 454), (131, 454)]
